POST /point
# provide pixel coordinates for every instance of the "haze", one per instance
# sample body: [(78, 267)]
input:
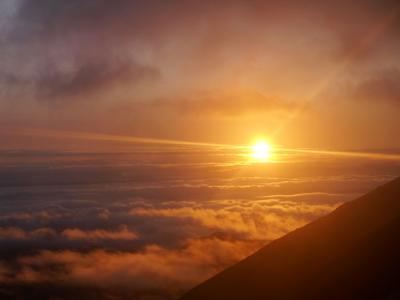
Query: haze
[(147, 145)]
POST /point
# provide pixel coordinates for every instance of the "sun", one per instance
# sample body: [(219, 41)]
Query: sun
[(261, 151)]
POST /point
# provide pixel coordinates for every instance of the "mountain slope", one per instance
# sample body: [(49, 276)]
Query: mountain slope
[(352, 253)]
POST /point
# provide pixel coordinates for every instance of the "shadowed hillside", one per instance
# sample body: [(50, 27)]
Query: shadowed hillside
[(353, 253)]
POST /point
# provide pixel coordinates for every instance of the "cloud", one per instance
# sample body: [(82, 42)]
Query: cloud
[(151, 35), (52, 18), (154, 268), (230, 103), (254, 220), (382, 86), (91, 78), (77, 234), (42, 216), (58, 17), (83, 81), (158, 64), (158, 226), (14, 233)]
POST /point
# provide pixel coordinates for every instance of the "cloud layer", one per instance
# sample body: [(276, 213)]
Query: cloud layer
[(154, 232)]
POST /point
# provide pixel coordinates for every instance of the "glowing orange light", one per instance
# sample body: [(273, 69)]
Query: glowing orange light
[(261, 151)]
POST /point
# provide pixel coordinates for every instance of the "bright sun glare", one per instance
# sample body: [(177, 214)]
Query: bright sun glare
[(261, 151)]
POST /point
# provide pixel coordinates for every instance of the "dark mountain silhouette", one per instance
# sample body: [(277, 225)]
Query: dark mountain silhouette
[(352, 253)]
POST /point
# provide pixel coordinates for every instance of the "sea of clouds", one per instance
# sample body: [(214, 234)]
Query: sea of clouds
[(146, 225)]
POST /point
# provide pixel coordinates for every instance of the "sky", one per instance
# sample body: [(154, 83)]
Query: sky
[(303, 73), (126, 133)]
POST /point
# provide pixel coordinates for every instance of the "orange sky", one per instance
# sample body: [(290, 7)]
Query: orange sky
[(303, 74)]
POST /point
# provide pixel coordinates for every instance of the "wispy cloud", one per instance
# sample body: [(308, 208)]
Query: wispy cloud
[(256, 220), (154, 268), (98, 234)]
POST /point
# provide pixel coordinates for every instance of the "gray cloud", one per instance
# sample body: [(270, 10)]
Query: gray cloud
[(72, 49), (83, 82), (91, 79), (382, 86)]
